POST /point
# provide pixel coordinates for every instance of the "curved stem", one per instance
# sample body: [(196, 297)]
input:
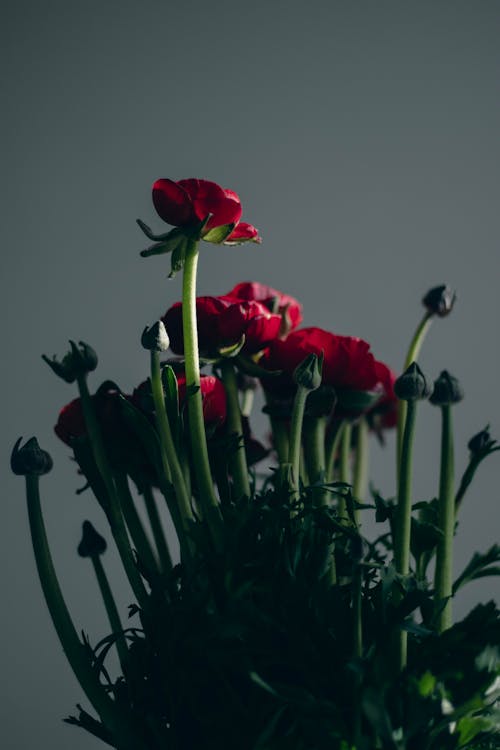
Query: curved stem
[(234, 429), (118, 722), (411, 356), (444, 554), (199, 450), (114, 513), (112, 611)]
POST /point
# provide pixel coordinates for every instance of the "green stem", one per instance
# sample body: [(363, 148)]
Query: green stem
[(234, 429), (444, 554), (332, 447), (114, 513), (357, 601), (360, 477), (199, 450), (411, 356), (314, 454), (402, 526), (299, 405), (112, 611), (157, 529), (76, 654), (169, 456), (134, 524), (247, 400), (345, 467)]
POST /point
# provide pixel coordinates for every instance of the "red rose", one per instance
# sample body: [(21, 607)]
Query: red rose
[(188, 202), (222, 321), (288, 307), (348, 362)]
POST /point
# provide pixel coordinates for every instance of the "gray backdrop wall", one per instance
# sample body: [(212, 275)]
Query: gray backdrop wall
[(362, 138)]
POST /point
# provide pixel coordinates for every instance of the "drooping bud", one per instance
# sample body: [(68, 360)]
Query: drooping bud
[(81, 360), (412, 385), (439, 300), (30, 459), (447, 390), (92, 543), (155, 339), (308, 373)]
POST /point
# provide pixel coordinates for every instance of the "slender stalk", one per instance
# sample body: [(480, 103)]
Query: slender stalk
[(199, 448), (112, 611), (237, 458), (314, 454), (332, 447), (402, 528), (247, 400), (411, 356), (134, 524), (157, 529), (360, 477), (444, 555), (168, 453), (119, 723), (299, 405), (281, 440), (345, 467), (114, 513)]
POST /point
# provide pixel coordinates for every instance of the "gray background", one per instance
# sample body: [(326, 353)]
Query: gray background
[(363, 140)]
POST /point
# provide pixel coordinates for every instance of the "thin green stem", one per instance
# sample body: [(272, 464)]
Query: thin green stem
[(115, 517), (314, 455), (199, 450), (332, 447), (117, 722), (444, 554), (402, 527), (112, 611), (157, 529), (361, 461), (247, 400), (134, 524), (299, 405), (168, 453), (234, 428), (345, 467), (411, 356)]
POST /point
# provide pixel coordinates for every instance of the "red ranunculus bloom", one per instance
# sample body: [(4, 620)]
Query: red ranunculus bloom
[(348, 362), (70, 423), (188, 202), (288, 307), (385, 412), (222, 321)]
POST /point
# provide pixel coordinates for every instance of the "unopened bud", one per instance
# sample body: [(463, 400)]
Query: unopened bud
[(481, 442), (92, 543), (155, 339), (412, 385), (81, 360), (30, 459), (447, 390), (440, 300), (308, 373)]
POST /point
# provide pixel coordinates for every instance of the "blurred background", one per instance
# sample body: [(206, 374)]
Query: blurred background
[(363, 140)]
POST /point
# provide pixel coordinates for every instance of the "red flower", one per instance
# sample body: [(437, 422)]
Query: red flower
[(348, 362), (288, 307), (188, 202), (222, 321), (70, 423), (213, 396), (385, 412)]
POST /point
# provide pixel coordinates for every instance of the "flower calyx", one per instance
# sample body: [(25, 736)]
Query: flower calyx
[(440, 300), (412, 385), (92, 544), (308, 373), (447, 390), (81, 360), (30, 460), (155, 339)]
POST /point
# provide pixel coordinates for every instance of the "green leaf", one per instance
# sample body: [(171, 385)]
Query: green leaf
[(171, 391), (480, 566), (233, 349), (167, 245), (178, 257), (217, 235)]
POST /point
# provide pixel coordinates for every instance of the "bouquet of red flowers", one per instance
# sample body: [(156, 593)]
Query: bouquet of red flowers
[(269, 622)]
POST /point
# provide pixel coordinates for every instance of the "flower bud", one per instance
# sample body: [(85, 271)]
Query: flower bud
[(79, 361), (30, 459), (155, 339), (440, 300), (481, 442), (92, 543), (447, 390), (412, 385), (308, 373)]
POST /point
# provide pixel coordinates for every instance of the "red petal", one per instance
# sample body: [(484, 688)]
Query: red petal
[(209, 198), (173, 203), (244, 232)]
